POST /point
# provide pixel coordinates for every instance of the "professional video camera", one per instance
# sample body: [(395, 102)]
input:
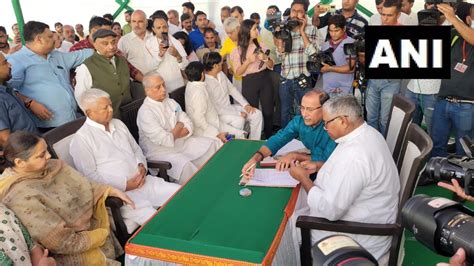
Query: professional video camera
[(315, 60), (358, 46), (457, 167), (281, 29), (431, 17), (341, 250), (441, 224)]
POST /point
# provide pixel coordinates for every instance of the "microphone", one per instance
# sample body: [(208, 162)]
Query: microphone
[(261, 63)]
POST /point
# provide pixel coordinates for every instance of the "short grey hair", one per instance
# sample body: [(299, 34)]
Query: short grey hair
[(89, 98), (146, 79), (344, 105), (230, 24)]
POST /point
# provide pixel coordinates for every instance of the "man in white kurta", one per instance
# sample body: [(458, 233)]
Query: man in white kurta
[(104, 151), (166, 132), (171, 59), (202, 111), (220, 89), (359, 182)]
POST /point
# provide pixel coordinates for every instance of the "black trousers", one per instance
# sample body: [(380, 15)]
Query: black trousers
[(258, 88)]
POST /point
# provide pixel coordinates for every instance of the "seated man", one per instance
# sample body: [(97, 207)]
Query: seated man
[(307, 127), (106, 71), (200, 108), (337, 79), (359, 182), (104, 151), (166, 132), (13, 115), (220, 88)]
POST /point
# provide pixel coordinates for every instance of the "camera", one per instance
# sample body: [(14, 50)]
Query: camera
[(341, 250), (441, 224), (315, 60), (460, 168), (358, 46), (431, 17), (281, 29)]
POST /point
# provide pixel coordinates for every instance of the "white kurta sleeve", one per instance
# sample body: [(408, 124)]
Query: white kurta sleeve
[(199, 103), (234, 92), (151, 127), (183, 118), (332, 197), (122, 46), (83, 81), (81, 152), (139, 156)]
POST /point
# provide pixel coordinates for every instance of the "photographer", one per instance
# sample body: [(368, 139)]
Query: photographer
[(454, 108), (295, 75), (337, 79), (462, 28)]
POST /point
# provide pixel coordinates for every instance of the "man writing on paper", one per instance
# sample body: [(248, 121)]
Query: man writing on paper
[(359, 182), (308, 128)]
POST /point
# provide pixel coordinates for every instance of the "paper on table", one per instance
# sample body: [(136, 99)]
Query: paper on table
[(272, 178), (294, 145)]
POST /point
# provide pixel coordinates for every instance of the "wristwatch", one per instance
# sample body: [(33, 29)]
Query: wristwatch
[(28, 102)]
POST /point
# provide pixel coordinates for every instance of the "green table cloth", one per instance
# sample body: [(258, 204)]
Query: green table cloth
[(208, 222)]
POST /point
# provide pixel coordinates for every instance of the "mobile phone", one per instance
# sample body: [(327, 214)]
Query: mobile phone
[(164, 40)]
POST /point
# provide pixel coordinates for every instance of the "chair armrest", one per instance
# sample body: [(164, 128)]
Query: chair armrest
[(308, 222), (113, 202), (163, 166)]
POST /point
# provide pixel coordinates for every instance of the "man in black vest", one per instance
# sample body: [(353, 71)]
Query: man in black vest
[(106, 71)]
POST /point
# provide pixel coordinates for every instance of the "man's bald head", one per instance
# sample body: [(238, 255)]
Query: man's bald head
[(139, 23)]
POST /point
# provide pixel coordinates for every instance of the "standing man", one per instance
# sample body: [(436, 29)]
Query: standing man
[(186, 23), (238, 13), (127, 28), (293, 70), (4, 46), (210, 43), (173, 21), (380, 91), (80, 32), (225, 13), (197, 36), (68, 38), (41, 76)]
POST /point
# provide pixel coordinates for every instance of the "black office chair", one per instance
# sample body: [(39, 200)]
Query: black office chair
[(178, 96), (415, 151), (401, 115), (129, 113)]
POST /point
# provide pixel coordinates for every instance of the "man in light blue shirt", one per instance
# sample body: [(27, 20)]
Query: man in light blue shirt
[(308, 128), (41, 75)]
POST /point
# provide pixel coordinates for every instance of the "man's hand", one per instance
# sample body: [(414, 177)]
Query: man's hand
[(285, 161), (40, 111), (311, 166), (45, 260), (249, 109), (163, 50), (121, 195), (304, 22), (318, 9), (249, 168), (138, 179), (447, 11), (222, 136), (456, 188), (298, 172), (14, 49), (325, 68), (177, 130), (243, 114), (172, 50), (458, 259)]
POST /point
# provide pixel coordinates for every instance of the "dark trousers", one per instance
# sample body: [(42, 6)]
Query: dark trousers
[(258, 88)]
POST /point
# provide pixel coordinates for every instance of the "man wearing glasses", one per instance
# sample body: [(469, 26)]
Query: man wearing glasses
[(308, 128), (358, 182)]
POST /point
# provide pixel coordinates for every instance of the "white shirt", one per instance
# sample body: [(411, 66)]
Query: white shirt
[(168, 66), (84, 79), (219, 90), (359, 183), (65, 46), (200, 109), (424, 86), (172, 29), (155, 121), (222, 34), (135, 51), (404, 19)]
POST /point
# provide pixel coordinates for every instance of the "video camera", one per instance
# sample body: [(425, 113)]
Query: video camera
[(457, 167), (358, 46), (341, 250), (281, 29), (431, 17), (441, 224), (315, 60)]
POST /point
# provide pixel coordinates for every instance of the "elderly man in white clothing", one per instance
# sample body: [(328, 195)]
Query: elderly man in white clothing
[(202, 111), (168, 53), (220, 88), (104, 151), (359, 182), (166, 132)]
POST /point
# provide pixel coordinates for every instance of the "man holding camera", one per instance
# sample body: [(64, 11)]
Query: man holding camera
[(295, 76), (337, 79)]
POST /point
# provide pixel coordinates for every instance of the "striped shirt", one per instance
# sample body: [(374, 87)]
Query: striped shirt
[(294, 62), (355, 23)]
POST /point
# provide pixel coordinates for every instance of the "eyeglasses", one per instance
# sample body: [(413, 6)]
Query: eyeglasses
[(326, 123), (309, 109)]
